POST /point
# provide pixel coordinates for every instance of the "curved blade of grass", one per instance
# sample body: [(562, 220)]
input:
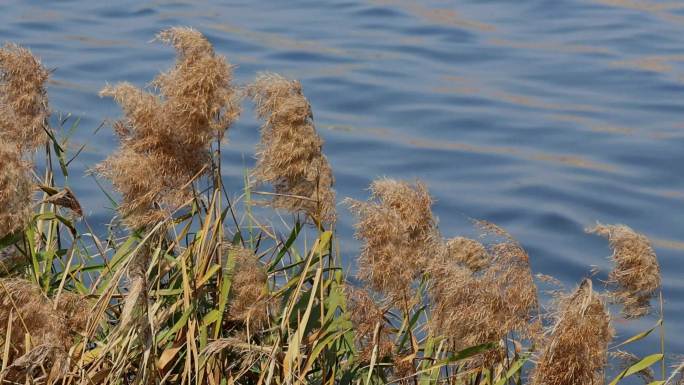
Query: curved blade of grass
[(637, 367)]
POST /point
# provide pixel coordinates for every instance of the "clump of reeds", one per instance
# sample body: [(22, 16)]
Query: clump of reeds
[(482, 295), (575, 352), (23, 99), (635, 277), (166, 137), (15, 189), (399, 235), (289, 155), (25, 308), (203, 313), (249, 291)]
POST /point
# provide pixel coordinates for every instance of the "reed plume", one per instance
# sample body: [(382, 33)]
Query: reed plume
[(15, 190), (289, 155), (249, 290), (166, 138), (399, 235), (23, 99), (635, 277), (575, 352), (476, 303)]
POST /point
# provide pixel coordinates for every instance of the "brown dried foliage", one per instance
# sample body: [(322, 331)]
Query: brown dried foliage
[(399, 235), (476, 306), (33, 313), (289, 155), (370, 328), (15, 190), (575, 352), (23, 99), (635, 277), (166, 137), (250, 301)]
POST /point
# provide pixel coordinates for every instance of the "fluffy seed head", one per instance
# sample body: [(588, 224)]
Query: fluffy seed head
[(635, 277), (23, 99), (289, 155), (476, 303), (576, 350), (399, 235), (15, 190), (166, 137)]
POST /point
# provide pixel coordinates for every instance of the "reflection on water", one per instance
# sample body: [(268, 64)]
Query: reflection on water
[(542, 116), (567, 160), (640, 5), (277, 41), (672, 65), (439, 16), (90, 41), (549, 46)]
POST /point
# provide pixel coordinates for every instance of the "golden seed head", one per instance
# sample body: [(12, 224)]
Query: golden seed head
[(23, 100), (166, 137), (399, 236), (575, 352), (289, 155), (635, 277), (482, 299)]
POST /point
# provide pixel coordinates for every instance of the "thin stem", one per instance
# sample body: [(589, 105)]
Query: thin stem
[(662, 334)]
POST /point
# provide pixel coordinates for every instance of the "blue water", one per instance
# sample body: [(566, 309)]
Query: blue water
[(542, 116)]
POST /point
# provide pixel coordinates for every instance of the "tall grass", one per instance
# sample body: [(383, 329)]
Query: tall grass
[(189, 285)]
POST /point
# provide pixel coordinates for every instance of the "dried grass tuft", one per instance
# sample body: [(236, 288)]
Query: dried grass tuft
[(575, 352), (635, 277), (23, 99), (399, 235), (249, 302), (15, 190), (289, 155), (166, 137), (486, 304)]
